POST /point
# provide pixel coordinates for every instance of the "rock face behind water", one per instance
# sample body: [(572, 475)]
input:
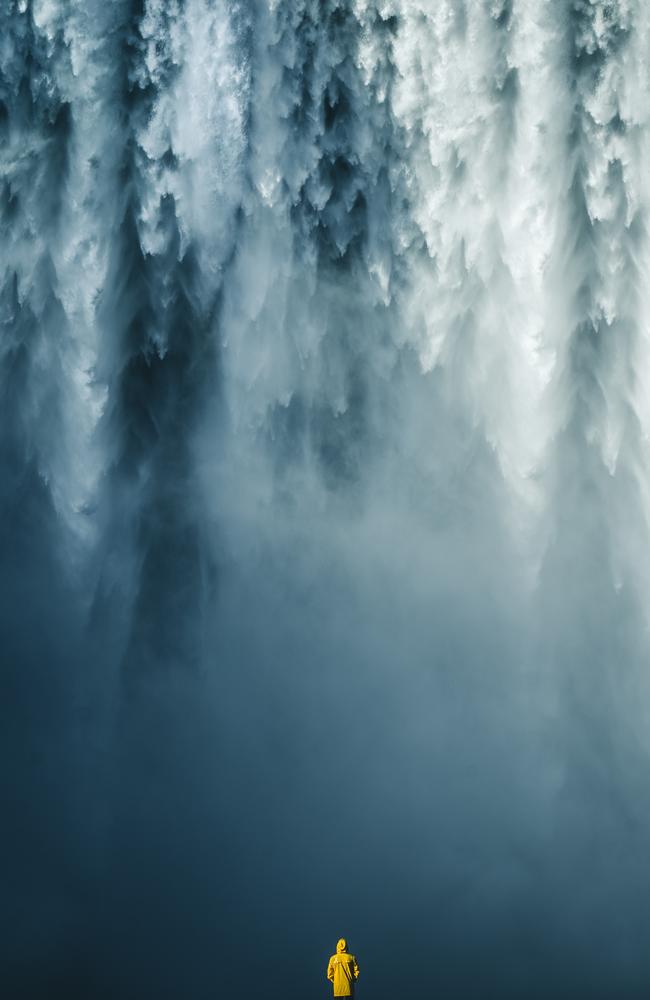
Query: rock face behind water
[(324, 495)]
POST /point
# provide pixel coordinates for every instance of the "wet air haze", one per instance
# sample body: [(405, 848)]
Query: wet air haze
[(324, 489)]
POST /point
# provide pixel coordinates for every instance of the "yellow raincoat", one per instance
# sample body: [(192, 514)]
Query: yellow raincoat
[(343, 970)]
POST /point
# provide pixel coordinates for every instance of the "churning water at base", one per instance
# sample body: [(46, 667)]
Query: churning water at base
[(324, 487)]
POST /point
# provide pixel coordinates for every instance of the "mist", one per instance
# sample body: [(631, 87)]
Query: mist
[(324, 485)]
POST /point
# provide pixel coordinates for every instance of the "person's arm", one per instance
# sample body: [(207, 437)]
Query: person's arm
[(355, 968), (330, 970)]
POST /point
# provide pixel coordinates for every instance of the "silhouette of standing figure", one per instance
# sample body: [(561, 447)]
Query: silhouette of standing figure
[(343, 970)]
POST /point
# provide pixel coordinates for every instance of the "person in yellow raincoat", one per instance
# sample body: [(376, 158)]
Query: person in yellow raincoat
[(343, 970)]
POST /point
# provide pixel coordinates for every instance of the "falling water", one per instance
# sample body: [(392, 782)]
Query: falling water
[(325, 484)]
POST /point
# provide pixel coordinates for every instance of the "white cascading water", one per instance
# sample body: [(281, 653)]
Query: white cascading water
[(325, 364)]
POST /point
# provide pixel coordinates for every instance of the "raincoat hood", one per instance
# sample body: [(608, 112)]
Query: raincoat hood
[(342, 945)]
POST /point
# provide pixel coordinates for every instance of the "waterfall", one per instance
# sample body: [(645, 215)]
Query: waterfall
[(325, 483)]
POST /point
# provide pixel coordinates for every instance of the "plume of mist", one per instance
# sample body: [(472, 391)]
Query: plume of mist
[(324, 485)]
